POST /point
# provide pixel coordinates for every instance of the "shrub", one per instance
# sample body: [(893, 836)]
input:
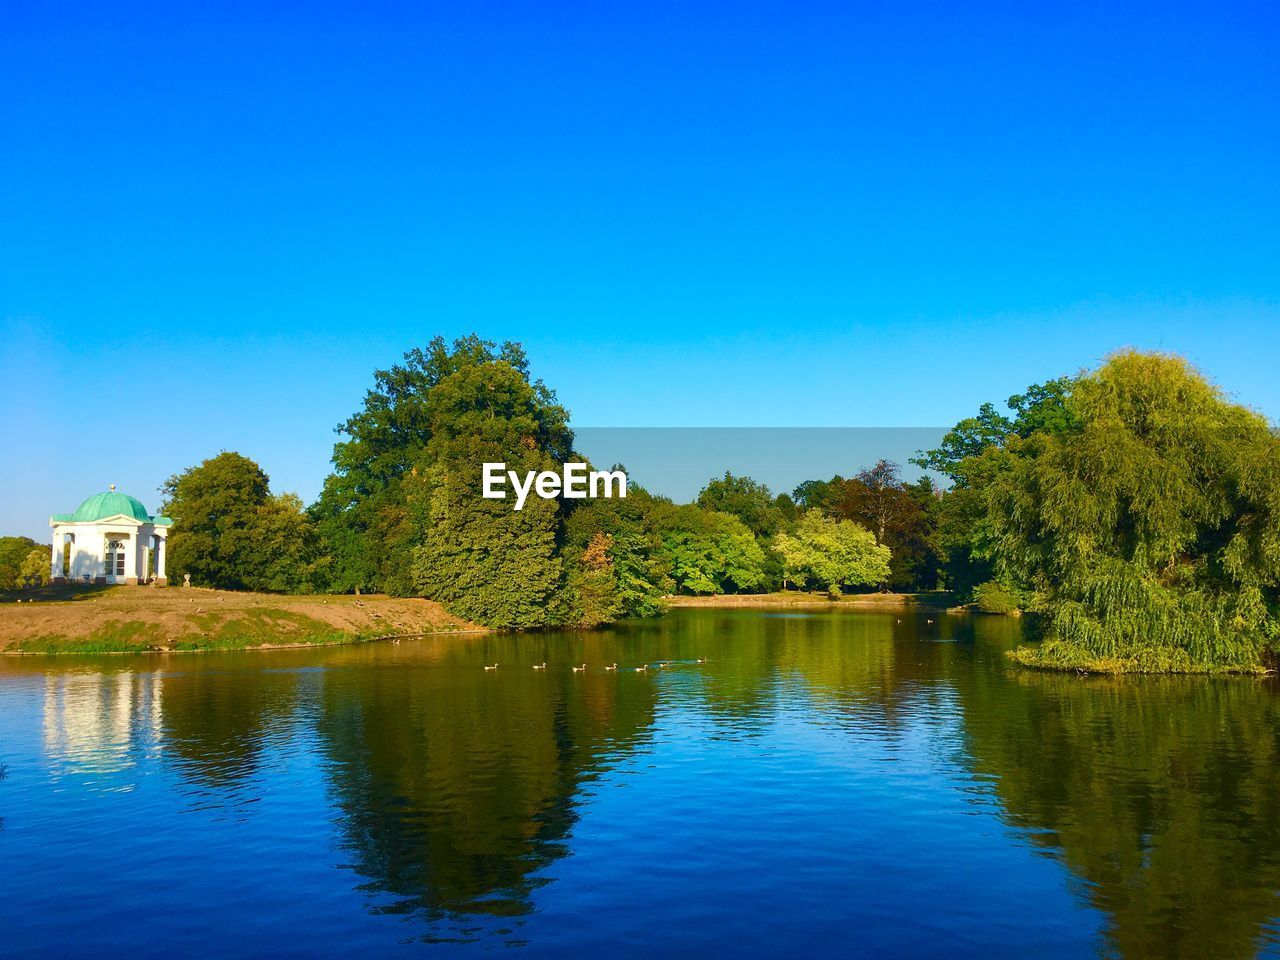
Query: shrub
[(996, 597)]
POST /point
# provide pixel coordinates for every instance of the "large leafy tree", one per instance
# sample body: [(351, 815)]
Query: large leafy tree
[(362, 511), (1150, 525), (817, 494), (748, 500), (708, 552), (35, 568), (229, 531), (487, 561), (404, 512), (13, 555), (970, 455), (832, 553), (900, 515), (1042, 409), (278, 550), (637, 572)]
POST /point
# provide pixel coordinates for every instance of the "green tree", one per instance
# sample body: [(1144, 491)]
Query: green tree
[(708, 552), (817, 494), (374, 510), (1149, 529), (36, 567), (482, 558), (639, 571), (231, 534), (902, 517), (749, 501), (14, 552), (1043, 408), (591, 596), (277, 551), (833, 553), (362, 511), (970, 454)]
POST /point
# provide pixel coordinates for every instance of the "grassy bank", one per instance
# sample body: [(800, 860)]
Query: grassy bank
[(799, 598), (1063, 655), (143, 619)]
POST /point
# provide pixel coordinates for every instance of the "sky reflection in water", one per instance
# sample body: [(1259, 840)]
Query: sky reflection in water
[(824, 783)]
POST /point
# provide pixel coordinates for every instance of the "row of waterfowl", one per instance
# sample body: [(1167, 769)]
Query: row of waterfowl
[(613, 667)]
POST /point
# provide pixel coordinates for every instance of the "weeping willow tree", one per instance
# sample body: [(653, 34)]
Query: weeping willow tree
[(1150, 530)]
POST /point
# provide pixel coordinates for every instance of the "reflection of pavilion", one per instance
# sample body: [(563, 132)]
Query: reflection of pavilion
[(94, 722)]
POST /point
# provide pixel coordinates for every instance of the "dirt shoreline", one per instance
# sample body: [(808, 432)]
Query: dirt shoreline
[(173, 620)]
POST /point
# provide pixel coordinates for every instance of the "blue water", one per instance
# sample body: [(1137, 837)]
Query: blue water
[(827, 784)]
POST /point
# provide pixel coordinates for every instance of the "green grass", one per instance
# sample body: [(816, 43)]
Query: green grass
[(256, 628), (1064, 655)]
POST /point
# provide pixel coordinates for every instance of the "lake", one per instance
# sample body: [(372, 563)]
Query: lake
[(825, 783)]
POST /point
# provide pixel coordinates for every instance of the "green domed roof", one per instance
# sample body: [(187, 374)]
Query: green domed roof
[(103, 505)]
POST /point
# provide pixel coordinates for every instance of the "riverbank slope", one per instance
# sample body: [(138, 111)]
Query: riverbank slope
[(142, 619)]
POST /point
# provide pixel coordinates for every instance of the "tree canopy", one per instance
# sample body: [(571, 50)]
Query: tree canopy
[(1134, 506), (832, 553), (708, 552), (1140, 511), (231, 533), (749, 501), (14, 552)]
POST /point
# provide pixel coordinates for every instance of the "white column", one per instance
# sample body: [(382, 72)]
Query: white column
[(55, 565), (160, 552), (100, 542), (131, 557)]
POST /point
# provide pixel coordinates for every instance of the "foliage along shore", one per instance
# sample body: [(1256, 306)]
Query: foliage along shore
[(141, 620), (939, 600), (1133, 509), (1063, 656)]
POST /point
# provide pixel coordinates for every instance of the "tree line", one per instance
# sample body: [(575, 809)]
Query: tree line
[(401, 513), (23, 561), (1133, 507)]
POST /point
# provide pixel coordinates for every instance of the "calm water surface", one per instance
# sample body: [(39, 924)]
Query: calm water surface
[(835, 784)]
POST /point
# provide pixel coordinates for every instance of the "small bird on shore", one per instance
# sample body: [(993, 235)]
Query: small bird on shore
[(579, 669), (494, 667), (540, 666)]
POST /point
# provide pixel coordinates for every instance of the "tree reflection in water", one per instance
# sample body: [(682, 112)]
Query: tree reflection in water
[(454, 791), (457, 785), (1161, 794)]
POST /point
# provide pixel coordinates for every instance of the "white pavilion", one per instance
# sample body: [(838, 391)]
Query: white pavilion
[(112, 540)]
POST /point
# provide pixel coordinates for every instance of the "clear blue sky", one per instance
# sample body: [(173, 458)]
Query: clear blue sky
[(216, 222)]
